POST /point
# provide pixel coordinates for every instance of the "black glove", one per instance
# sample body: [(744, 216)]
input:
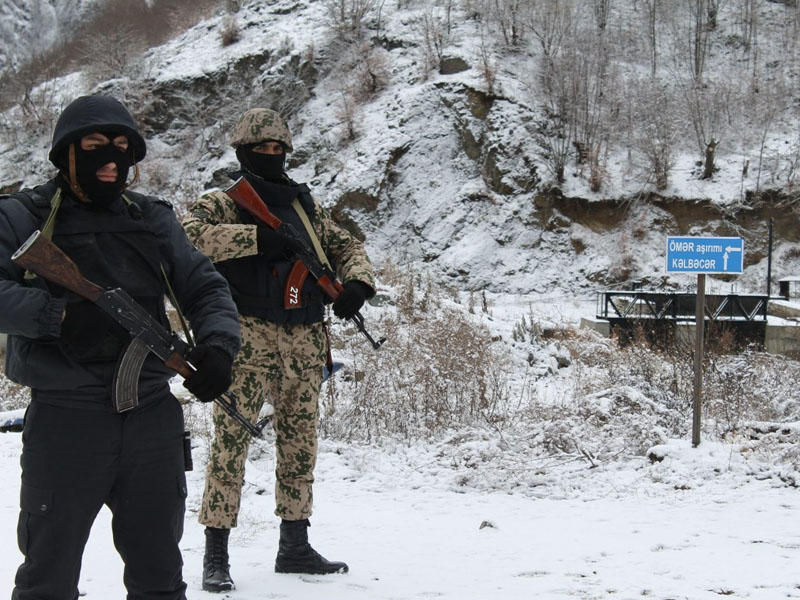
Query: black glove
[(351, 299), (213, 374), (272, 244)]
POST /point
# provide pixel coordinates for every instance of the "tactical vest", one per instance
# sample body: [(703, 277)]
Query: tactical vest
[(257, 285), (111, 249)]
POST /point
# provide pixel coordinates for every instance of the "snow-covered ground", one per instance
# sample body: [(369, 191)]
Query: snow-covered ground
[(689, 527), (484, 513)]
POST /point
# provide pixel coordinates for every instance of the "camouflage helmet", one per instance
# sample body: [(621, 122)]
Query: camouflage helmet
[(259, 125)]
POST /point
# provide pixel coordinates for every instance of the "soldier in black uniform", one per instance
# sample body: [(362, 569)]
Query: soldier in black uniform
[(78, 452)]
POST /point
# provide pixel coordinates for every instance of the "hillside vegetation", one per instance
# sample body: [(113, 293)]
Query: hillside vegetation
[(459, 131)]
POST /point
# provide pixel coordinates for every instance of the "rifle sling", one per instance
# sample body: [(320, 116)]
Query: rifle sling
[(314, 239), (49, 223), (324, 260), (294, 283)]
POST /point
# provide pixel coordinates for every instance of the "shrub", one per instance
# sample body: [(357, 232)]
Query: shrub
[(438, 370), (229, 33)]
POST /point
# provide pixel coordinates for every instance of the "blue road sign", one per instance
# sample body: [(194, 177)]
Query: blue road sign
[(705, 255)]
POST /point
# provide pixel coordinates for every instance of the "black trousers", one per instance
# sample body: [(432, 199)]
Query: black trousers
[(73, 462)]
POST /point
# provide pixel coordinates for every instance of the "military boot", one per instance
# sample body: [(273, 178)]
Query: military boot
[(295, 554), (216, 570)]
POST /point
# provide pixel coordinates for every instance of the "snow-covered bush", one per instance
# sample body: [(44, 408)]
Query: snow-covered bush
[(346, 17), (12, 395), (750, 386), (438, 370)]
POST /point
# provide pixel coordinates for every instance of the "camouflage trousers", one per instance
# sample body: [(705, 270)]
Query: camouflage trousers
[(282, 365)]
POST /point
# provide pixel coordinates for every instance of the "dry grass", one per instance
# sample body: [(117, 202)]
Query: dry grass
[(438, 370)]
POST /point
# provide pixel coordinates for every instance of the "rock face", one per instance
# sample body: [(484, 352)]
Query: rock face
[(452, 64), (29, 27), (205, 100)]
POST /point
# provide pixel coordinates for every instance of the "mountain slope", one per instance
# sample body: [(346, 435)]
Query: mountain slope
[(441, 166)]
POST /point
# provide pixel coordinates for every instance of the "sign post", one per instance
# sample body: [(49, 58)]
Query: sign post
[(699, 329), (702, 255)]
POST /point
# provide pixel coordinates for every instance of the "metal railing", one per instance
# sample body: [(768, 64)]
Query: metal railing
[(678, 306)]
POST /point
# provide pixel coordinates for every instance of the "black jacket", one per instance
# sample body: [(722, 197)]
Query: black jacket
[(114, 246)]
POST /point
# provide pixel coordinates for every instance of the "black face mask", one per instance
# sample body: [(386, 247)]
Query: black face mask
[(87, 163), (266, 166)]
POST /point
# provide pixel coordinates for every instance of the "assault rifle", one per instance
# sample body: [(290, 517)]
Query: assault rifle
[(245, 196), (41, 256)]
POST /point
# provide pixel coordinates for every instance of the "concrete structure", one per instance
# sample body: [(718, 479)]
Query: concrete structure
[(789, 287)]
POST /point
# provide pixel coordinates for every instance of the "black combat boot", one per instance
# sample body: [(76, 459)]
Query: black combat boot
[(295, 554), (216, 570)]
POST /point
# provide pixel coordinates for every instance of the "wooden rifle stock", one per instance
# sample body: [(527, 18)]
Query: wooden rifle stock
[(41, 256), (245, 196)]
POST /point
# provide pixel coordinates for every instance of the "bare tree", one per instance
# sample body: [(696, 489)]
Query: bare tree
[(766, 106), (577, 89), (347, 16), (657, 135), (688, 37), (748, 18), (472, 9), (510, 17), (556, 133), (750, 26), (488, 67), (587, 65), (601, 10), (793, 163), (551, 22), (39, 106), (791, 36), (709, 107), (651, 18), (713, 8), (346, 110), (371, 72), (434, 31), (697, 10), (110, 55)]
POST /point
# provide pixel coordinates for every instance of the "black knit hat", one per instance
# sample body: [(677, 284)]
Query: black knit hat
[(89, 114)]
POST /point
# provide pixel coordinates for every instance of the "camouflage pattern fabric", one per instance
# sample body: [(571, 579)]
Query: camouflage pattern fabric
[(258, 125), (281, 364), (212, 226)]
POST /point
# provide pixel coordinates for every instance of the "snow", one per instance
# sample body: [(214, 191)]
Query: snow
[(481, 512), (688, 527)]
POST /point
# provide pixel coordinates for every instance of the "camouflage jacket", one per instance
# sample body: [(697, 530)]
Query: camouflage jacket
[(214, 224)]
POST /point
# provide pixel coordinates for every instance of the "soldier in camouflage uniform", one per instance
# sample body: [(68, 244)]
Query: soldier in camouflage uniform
[(283, 349)]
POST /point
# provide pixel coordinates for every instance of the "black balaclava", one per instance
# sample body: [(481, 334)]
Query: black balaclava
[(87, 163), (266, 166)]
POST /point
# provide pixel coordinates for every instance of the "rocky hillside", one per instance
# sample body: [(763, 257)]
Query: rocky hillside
[(28, 28), (428, 129)]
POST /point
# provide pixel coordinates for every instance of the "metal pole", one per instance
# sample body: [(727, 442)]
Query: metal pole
[(698, 357), (769, 258)]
